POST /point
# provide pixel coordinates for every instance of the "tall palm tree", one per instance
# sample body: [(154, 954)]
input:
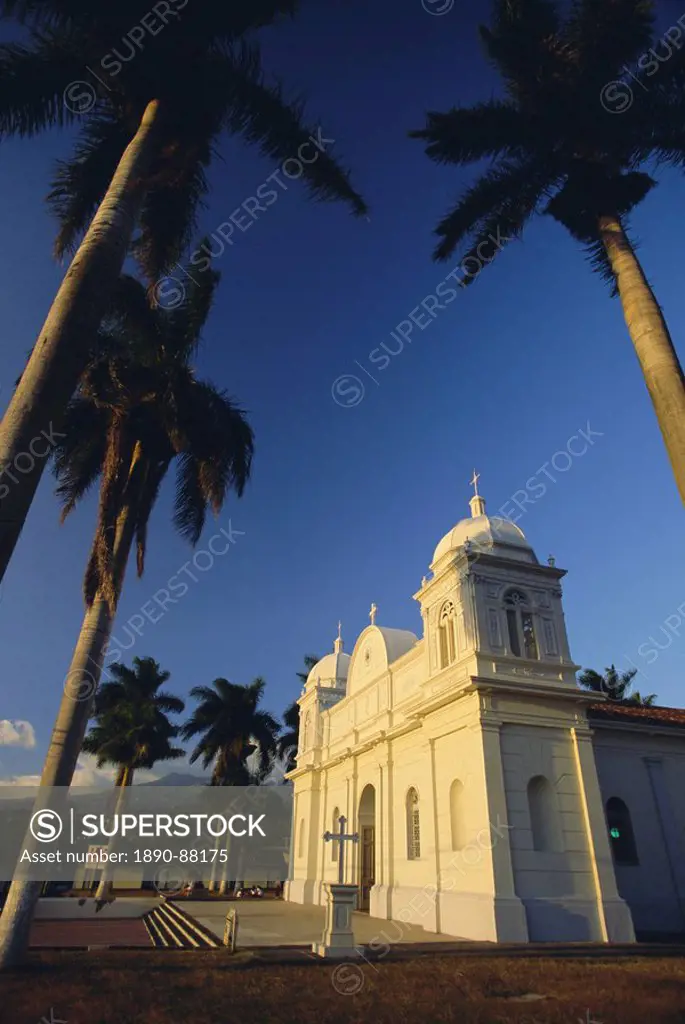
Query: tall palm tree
[(556, 147), (230, 727), (150, 124), (616, 685), (288, 741), (132, 729), (139, 408), (233, 733)]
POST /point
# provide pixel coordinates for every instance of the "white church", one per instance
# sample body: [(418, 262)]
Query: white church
[(493, 799)]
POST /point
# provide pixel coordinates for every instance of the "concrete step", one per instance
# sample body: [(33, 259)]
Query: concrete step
[(169, 926)]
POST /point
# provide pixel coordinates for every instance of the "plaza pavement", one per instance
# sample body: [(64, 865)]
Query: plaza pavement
[(269, 922)]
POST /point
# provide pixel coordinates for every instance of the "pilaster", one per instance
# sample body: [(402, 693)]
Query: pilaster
[(614, 918)]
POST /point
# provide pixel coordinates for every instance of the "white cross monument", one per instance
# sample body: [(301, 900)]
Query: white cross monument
[(338, 940)]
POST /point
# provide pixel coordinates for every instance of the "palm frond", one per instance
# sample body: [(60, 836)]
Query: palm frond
[(137, 329), (33, 83), (190, 510), (263, 117), (609, 34), (183, 326), (81, 181), (168, 218), (215, 445), (465, 134), (310, 660), (522, 44), (78, 456), (143, 510), (495, 209)]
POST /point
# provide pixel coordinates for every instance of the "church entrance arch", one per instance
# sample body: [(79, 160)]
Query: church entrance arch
[(367, 839)]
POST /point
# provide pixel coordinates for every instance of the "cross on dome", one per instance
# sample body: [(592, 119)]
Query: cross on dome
[(338, 644), (477, 502)]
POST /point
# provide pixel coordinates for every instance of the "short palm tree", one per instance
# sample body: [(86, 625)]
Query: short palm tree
[(288, 741), (615, 685), (132, 729), (645, 701), (231, 727), (139, 409), (556, 146), (150, 124)]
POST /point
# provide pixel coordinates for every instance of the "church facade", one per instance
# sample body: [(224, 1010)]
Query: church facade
[(493, 799)]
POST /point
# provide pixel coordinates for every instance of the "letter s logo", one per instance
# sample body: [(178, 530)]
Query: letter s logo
[(46, 826)]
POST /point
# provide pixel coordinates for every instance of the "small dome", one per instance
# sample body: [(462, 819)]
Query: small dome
[(332, 669), (490, 534), (487, 534)]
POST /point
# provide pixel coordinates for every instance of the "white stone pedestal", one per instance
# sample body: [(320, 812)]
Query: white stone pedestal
[(337, 941)]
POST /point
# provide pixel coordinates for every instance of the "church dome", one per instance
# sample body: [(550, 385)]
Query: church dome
[(332, 669), (486, 534)]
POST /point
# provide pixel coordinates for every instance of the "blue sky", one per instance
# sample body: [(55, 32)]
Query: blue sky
[(348, 501)]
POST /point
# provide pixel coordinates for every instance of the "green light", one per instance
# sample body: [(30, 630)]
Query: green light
[(614, 833)]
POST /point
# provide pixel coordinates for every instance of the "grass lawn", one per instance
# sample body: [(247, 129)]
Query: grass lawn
[(122, 987)]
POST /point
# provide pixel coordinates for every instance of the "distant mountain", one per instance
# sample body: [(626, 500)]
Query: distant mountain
[(179, 779)]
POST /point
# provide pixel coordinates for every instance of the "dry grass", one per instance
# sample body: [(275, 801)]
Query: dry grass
[(211, 988)]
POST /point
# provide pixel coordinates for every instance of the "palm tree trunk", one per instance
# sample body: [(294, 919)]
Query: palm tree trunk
[(70, 728), (59, 357), (655, 350), (106, 878)]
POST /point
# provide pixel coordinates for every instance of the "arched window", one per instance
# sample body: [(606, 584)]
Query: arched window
[(413, 826), (446, 635), (300, 840), (520, 629), (542, 810), (457, 815), (335, 827), (621, 835), (307, 731)]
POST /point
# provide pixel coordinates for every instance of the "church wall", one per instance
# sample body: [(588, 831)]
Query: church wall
[(646, 772), (552, 864), (464, 832), (305, 839), (407, 677), (449, 887), (411, 769)]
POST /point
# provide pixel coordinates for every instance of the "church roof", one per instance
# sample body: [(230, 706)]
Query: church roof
[(636, 713), (397, 641)]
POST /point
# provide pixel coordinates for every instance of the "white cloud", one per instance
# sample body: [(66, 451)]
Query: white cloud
[(86, 773), (16, 734)]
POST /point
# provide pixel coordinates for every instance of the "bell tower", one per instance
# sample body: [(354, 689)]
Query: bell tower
[(490, 600)]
